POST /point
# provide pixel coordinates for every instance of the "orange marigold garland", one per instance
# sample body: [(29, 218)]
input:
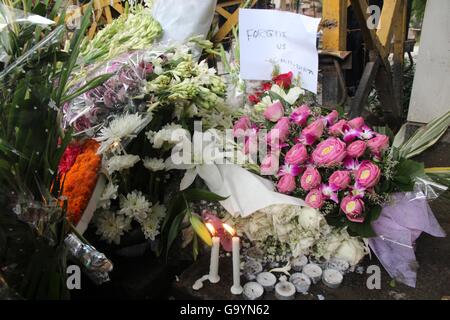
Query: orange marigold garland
[(80, 180)]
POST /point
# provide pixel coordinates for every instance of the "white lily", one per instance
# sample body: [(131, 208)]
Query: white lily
[(291, 96), (199, 157)]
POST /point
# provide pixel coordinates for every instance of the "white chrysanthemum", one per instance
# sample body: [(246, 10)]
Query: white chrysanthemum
[(159, 211), (119, 163), (171, 133), (111, 227), (151, 225), (123, 127), (135, 205), (150, 228), (110, 193), (154, 164)]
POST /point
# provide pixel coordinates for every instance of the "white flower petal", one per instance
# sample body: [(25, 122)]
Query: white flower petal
[(188, 179)]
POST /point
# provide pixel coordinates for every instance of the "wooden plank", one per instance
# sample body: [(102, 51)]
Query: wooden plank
[(118, 7), (227, 27), (370, 36), (388, 99), (228, 3), (108, 15), (387, 21), (335, 37), (364, 88), (231, 22), (223, 12)]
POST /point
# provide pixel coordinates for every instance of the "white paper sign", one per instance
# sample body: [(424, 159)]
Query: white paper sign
[(272, 37)]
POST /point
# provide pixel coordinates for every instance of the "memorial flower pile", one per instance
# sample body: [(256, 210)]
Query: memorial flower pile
[(135, 115), (342, 167)]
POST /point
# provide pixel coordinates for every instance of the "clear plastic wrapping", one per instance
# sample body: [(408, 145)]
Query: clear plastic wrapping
[(127, 72), (426, 188)]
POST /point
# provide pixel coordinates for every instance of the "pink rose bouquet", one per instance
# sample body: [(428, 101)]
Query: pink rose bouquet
[(341, 166)]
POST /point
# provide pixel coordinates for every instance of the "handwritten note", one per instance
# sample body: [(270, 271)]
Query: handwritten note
[(271, 37)]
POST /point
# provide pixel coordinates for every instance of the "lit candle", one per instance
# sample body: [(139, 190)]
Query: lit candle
[(214, 264), (236, 288)]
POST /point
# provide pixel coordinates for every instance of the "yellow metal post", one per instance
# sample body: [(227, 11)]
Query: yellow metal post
[(334, 21)]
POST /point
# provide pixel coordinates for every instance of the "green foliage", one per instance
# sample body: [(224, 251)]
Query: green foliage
[(178, 209), (407, 170), (418, 10), (33, 88)]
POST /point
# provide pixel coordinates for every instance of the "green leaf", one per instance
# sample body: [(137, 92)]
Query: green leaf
[(174, 230), (362, 229), (195, 247), (425, 137), (88, 86), (407, 170), (201, 194), (375, 212), (75, 47)]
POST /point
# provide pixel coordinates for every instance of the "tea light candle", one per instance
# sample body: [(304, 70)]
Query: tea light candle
[(301, 282), (236, 288), (253, 291), (251, 269), (339, 265), (313, 271), (332, 278), (299, 262), (284, 290), (267, 280), (214, 264)]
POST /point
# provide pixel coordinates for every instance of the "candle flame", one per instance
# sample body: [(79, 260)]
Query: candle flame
[(229, 229), (211, 228)]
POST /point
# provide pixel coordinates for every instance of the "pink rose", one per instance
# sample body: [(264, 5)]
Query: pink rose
[(329, 152), (300, 115), (337, 128), (286, 184), (356, 123), (310, 179), (356, 149), (353, 208), (270, 164), (274, 112), (378, 144), (332, 117), (339, 179), (241, 126), (296, 155), (313, 131), (314, 199), (368, 174), (280, 131)]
